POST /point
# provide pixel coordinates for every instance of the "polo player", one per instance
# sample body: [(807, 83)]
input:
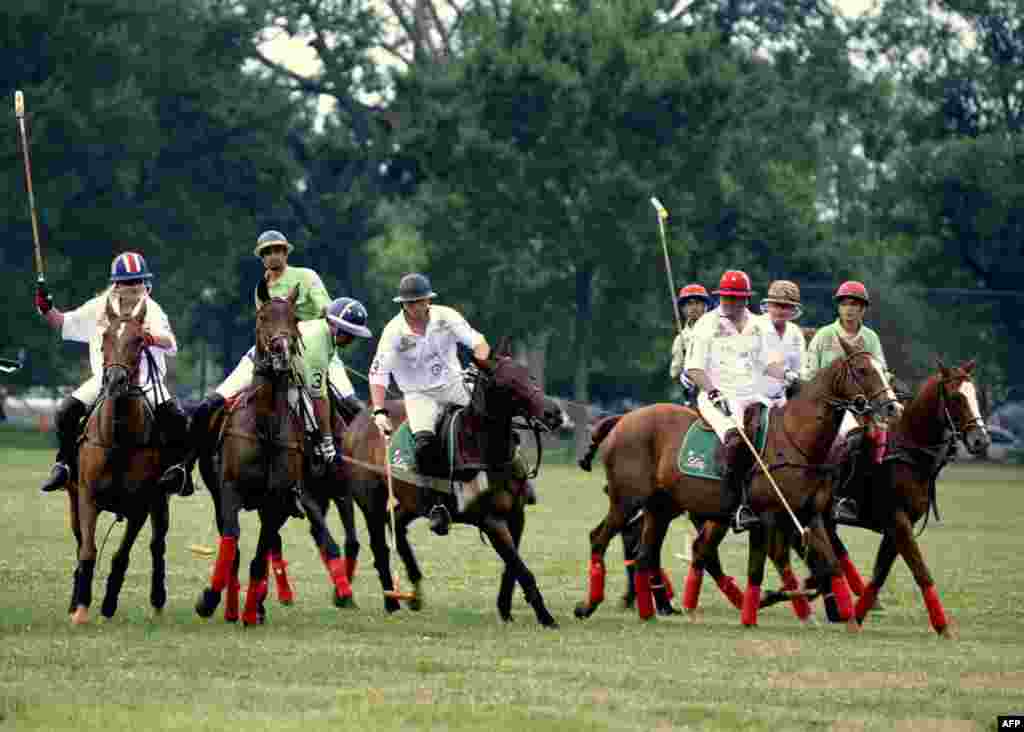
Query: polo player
[(781, 307), (273, 248), (419, 348), (693, 302), (130, 282), (852, 301), (729, 356)]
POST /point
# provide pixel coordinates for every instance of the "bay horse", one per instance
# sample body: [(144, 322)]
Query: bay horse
[(119, 465), (902, 490), (502, 391), (639, 455), (259, 463)]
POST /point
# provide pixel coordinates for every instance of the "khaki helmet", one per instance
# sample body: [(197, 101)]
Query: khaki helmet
[(783, 292), (269, 239)]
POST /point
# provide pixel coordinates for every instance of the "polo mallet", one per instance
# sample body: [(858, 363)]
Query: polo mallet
[(19, 112), (396, 593), (764, 468), (662, 218)]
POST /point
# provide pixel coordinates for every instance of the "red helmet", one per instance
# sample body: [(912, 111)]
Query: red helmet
[(693, 292), (734, 283), (853, 289)]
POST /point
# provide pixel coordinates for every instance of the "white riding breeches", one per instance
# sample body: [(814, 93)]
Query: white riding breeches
[(241, 378), (422, 408), (89, 392), (719, 422)]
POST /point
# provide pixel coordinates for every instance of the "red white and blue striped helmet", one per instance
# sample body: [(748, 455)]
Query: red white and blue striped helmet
[(129, 266)]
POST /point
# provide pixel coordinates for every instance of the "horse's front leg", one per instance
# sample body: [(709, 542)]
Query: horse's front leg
[(853, 578), (81, 596), (119, 564), (758, 554), (279, 568), (779, 552), (903, 534), (828, 575), (316, 511), (345, 502), (884, 559), (705, 557), (516, 523), (255, 611), (159, 522), (501, 539), (648, 563), (600, 537), (224, 568)]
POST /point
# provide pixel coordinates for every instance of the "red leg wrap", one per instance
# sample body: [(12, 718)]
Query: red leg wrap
[(936, 613), (801, 607), (732, 591), (691, 591), (669, 589), (866, 601), (224, 566), (881, 440), (597, 573), (852, 575), (644, 598), (255, 593), (339, 576), (751, 604), (284, 589), (350, 568), (231, 601), (843, 600)]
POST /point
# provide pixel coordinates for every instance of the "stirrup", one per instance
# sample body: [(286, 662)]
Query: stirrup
[(60, 474), (440, 519), (172, 482), (744, 519), (845, 510)]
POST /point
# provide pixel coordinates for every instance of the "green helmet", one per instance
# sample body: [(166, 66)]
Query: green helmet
[(269, 239)]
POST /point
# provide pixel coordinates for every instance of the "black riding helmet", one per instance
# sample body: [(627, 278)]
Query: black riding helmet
[(414, 286)]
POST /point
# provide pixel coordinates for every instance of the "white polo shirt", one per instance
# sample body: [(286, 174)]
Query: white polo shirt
[(87, 323), (793, 349), (423, 362), (733, 360)]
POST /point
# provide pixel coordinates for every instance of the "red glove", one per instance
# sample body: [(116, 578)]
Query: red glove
[(43, 300), (148, 339)]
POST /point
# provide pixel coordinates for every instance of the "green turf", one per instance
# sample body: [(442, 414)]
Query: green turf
[(455, 666)]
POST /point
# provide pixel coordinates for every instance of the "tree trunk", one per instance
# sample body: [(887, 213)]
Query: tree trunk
[(584, 312)]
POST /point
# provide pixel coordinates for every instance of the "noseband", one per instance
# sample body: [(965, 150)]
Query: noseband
[(861, 405)]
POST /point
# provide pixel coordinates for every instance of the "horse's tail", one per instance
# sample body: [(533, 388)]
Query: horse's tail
[(597, 435)]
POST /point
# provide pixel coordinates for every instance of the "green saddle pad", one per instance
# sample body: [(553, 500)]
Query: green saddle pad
[(698, 455), (402, 450)]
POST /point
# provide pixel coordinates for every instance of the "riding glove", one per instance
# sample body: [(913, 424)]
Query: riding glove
[(791, 377), (721, 403), (383, 421), (43, 300), (327, 448)]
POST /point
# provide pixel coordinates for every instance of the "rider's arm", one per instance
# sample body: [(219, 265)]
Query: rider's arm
[(482, 351), (380, 369), (812, 359), (317, 293), (55, 318), (698, 353), (158, 328), (700, 378), (678, 357)]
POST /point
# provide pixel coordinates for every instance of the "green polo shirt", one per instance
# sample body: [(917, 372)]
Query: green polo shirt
[(317, 349), (313, 297), (825, 347)]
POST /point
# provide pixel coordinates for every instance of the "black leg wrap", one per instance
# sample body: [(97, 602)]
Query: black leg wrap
[(427, 461), (83, 583)]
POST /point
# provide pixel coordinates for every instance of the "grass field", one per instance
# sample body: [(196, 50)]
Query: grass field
[(455, 666)]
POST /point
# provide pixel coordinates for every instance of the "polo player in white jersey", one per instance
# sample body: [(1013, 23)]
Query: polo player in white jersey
[(729, 356), (781, 307), (419, 348), (131, 282)]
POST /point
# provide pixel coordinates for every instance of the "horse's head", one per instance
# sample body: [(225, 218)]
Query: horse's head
[(962, 410), (277, 328), (511, 383), (860, 379), (123, 341)]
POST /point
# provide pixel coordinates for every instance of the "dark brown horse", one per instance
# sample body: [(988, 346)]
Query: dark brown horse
[(259, 464), (902, 490), (119, 464), (503, 391), (640, 454)]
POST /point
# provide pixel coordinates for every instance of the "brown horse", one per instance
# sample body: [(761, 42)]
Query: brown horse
[(119, 464), (640, 453), (901, 490), (503, 390), (260, 464)]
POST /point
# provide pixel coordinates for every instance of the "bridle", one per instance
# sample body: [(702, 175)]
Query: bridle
[(861, 405)]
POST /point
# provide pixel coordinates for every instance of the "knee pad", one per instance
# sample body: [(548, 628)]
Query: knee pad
[(426, 449)]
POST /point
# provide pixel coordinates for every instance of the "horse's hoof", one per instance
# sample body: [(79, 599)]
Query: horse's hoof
[(584, 611), (80, 616), (391, 605), (950, 632), (207, 603), (669, 610), (507, 618), (158, 600), (550, 624), (852, 626), (108, 609), (628, 601), (695, 615), (346, 601), (416, 603)]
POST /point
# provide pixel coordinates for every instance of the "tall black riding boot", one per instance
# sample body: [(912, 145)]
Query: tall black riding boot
[(427, 463), (196, 437), (68, 420), (173, 425), (734, 502), (844, 508)]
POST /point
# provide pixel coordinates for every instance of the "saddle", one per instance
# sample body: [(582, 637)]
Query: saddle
[(701, 453), (237, 403), (460, 450)]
